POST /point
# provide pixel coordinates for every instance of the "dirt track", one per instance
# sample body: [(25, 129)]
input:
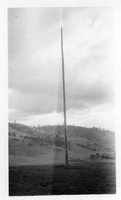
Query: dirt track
[(84, 178)]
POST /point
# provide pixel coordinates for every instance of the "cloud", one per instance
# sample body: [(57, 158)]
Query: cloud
[(34, 55)]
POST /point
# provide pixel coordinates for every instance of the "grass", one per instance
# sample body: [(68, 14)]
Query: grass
[(84, 178)]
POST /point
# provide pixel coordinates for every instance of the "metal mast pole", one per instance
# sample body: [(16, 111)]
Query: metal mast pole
[(64, 100)]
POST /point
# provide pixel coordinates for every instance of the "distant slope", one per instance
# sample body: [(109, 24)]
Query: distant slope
[(20, 128), (45, 145)]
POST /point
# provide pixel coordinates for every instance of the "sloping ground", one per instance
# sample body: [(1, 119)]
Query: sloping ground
[(20, 129), (45, 145)]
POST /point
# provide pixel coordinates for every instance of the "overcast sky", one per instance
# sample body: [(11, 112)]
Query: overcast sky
[(34, 58)]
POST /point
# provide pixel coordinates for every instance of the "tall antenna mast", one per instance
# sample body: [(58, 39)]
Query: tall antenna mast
[(64, 100)]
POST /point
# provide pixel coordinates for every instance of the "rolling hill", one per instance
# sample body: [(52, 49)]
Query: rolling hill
[(45, 145)]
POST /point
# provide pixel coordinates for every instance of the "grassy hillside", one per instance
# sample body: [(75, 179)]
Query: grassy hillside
[(45, 145)]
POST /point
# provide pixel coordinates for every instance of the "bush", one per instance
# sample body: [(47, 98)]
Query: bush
[(103, 156)]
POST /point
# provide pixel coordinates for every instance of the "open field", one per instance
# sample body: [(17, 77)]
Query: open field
[(45, 145), (82, 178), (36, 157)]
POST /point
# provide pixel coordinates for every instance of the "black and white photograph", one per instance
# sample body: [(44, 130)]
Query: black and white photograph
[(61, 101)]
